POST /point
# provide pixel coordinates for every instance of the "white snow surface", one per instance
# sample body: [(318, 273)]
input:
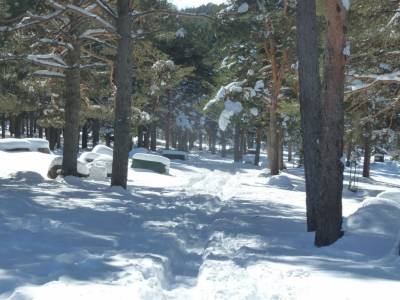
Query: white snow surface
[(102, 149), (210, 230)]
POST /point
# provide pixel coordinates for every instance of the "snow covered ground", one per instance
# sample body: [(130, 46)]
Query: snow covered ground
[(209, 230)]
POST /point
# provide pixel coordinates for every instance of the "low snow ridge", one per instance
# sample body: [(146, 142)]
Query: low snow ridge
[(281, 181)]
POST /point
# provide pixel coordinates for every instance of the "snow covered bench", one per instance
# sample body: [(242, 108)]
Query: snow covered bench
[(155, 163), (25, 145), (174, 154)]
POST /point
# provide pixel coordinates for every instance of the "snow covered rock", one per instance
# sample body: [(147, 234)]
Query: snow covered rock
[(243, 8), (155, 163), (102, 149), (280, 181)]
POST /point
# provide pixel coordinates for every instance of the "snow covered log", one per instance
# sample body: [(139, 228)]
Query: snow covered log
[(155, 163)]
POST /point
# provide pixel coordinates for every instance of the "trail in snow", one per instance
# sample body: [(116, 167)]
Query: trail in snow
[(210, 230)]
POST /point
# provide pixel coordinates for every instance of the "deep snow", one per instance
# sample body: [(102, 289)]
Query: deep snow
[(209, 230)]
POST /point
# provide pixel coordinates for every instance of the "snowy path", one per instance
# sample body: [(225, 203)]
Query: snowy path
[(211, 230)]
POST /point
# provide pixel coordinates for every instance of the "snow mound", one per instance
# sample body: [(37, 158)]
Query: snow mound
[(102, 149), (10, 144), (280, 181), (380, 215)]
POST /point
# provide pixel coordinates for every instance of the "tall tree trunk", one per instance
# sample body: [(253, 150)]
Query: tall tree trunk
[(329, 206), (41, 132), (168, 132), (123, 103), (58, 138), (52, 138), (367, 155), (281, 144), (95, 132), (85, 136), (146, 137), (72, 107), (258, 146), (349, 150), (310, 103), (153, 135), (223, 143), (3, 126), (140, 141)]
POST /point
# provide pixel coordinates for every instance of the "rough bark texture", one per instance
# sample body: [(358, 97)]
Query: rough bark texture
[(310, 102), (122, 129), (72, 108), (329, 206)]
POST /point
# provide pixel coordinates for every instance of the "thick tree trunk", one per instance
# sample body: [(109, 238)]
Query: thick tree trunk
[(146, 137), (85, 136), (140, 140), (123, 103), (329, 206), (367, 155), (17, 126), (52, 138), (258, 146), (310, 102), (273, 157), (41, 132), (95, 132), (72, 108)]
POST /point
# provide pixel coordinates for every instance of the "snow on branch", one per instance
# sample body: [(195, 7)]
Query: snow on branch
[(137, 14), (91, 15), (107, 8), (48, 60), (358, 85), (48, 74), (53, 42), (32, 20)]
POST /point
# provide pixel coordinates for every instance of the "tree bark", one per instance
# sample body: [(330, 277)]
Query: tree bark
[(95, 132), (310, 102), (329, 206), (3, 126), (72, 107), (153, 135), (85, 136), (123, 103), (258, 146), (40, 132)]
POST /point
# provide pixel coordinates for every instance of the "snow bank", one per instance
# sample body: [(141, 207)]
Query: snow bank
[(10, 144), (380, 215), (38, 143), (102, 149), (280, 181)]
